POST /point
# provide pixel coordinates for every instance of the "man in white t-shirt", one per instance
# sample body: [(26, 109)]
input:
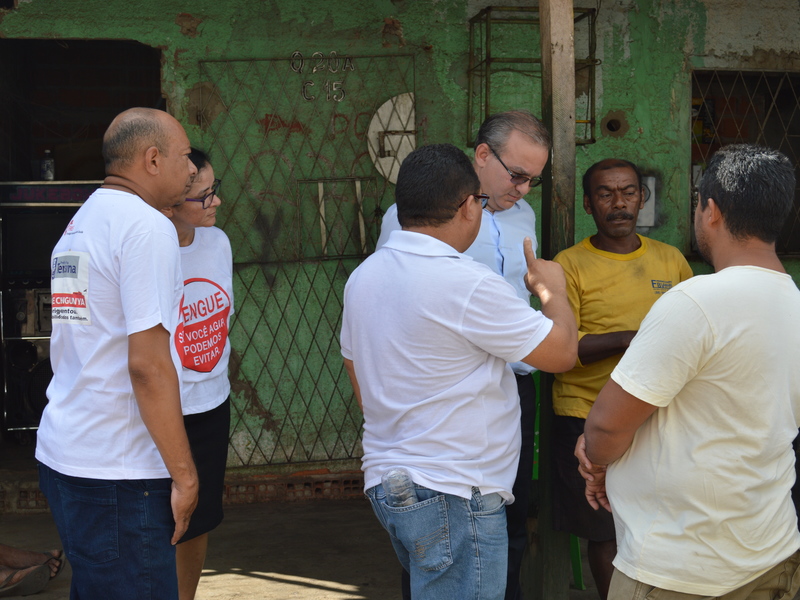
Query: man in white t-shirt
[(115, 462), (427, 335), (511, 150), (697, 422)]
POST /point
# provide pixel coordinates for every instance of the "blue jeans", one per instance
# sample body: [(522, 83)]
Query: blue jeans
[(453, 547), (116, 535)]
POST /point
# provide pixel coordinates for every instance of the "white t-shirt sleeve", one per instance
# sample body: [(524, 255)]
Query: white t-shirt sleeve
[(149, 270), (344, 337), (672, 345), (225, 247), (499, 322)]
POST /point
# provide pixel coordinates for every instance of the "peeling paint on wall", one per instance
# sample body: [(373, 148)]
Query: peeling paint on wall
[(188, 24), (742, 28), (275, 123), (203, 103), (392, 33), (759, 60)]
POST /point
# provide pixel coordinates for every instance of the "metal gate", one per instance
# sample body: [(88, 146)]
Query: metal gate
[(296, 142)]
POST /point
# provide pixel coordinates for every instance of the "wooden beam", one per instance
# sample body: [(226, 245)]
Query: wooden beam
[(558, 110)]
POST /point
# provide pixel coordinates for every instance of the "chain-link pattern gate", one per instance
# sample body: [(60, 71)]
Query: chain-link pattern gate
[(302, 200)]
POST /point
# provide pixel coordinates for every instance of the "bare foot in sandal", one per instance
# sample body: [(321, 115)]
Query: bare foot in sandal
[(22, 582), (55, 560), (15, 558)]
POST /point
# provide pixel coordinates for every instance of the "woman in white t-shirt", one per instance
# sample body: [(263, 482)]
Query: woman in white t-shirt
[(201, 340)]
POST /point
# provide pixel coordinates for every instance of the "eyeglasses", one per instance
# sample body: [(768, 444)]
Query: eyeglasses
[(516, 178), (484, 198), (209, 197)]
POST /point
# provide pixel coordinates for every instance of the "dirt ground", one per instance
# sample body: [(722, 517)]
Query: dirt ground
[(317, 550), (273, 551), (325, 550)]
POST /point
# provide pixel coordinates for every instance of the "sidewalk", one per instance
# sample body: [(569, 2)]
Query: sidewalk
[(326, 550)]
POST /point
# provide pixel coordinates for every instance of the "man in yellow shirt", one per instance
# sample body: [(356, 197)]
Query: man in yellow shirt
[(613, 278)]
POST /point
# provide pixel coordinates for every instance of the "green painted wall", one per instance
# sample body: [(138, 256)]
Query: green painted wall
[(228, 75)]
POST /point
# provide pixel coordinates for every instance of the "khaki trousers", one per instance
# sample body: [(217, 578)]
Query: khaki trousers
[(781, 582)]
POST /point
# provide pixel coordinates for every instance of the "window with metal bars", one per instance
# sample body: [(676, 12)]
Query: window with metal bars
[(757, 107)]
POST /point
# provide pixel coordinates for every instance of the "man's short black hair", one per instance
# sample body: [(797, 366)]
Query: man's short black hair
[(602, 165), (431, 183), (753, 187)]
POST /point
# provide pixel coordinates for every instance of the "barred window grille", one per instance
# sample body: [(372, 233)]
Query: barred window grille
[(758, 107)]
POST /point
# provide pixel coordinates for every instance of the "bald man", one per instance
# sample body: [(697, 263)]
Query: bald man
[(115, 462)]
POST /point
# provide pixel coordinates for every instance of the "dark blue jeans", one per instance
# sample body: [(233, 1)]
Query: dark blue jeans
[(116, 535)]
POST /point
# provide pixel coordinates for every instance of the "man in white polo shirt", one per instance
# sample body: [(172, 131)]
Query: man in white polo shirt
[(427, 336), (511, 150)]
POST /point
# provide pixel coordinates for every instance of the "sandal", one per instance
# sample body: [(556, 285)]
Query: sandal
[(62, 560), (32, 583)]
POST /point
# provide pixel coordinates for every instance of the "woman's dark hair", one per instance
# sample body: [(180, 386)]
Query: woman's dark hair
[(199, 158)]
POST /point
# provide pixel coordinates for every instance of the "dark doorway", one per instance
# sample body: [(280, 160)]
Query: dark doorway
[(57, 96), (60, 95)]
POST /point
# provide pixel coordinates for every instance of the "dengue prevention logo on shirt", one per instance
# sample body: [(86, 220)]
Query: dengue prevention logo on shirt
[(69, 286), (201, 335)]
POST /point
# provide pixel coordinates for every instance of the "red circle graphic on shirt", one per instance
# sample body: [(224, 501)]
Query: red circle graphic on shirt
[(203, 330)]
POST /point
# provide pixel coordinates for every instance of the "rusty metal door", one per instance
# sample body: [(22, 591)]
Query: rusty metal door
[(302, 198)]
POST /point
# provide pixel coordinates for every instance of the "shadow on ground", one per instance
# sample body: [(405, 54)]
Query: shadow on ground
[(332, 550)]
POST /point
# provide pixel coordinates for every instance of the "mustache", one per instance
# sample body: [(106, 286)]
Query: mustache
[(619, 215)]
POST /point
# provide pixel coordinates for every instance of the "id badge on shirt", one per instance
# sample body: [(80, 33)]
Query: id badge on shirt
[(69, 286)]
